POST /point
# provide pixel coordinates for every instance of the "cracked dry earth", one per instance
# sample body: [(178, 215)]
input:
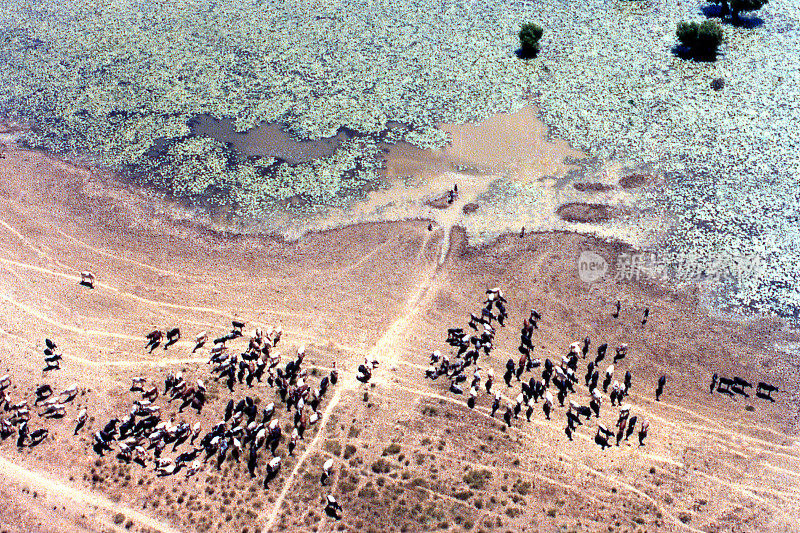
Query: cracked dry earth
[(408, 455)]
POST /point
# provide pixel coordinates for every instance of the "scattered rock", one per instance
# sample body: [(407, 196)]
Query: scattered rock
[(586, 213), (470, 208), (717, 84)]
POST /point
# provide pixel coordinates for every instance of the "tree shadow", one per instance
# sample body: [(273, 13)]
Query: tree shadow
[(714, 11), (684, 52), (523, 54), (749, 23)]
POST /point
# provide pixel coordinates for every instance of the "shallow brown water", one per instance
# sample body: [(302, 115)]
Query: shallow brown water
[(505, 143), (508, 150), (267, 140)]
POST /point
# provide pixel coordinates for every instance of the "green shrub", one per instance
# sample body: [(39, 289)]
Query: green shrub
[(701, 40), (347, 485), (333, 447), (367, 492), (349, 450), (529, 37), (391, 449), (381, 466), (476, 479), (418, 482), (522, 487)]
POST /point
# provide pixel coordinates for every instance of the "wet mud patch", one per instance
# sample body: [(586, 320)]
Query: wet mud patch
[(470, 208), (634, 180), (592, 187), (586, 213)]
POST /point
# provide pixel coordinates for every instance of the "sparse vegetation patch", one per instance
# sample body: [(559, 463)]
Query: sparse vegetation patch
[(477, 479)]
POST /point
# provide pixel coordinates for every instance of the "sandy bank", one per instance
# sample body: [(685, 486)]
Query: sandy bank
[(397, 286)]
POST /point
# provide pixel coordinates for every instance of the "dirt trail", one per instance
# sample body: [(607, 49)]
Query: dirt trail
[(53, 487), (346, 384), (383, 351)]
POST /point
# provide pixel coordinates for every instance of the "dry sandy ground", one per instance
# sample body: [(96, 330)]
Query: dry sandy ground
[(409, 455)]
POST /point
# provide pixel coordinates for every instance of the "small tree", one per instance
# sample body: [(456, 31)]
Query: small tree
[(701, 40), (529, 37), (735, 7)]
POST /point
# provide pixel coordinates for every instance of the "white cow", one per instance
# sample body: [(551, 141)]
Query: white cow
[(88, 278), (192, 470), (69, 393)]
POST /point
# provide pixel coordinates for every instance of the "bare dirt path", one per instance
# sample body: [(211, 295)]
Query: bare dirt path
[(53, 487), (383, 351)]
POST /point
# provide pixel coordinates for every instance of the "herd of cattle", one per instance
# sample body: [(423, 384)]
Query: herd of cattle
[(562, 376), (248, 429), (738, 385), (49, 405)]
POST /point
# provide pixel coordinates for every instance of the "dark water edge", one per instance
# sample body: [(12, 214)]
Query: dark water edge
[(273, 139), (212, 209), (267, 140)]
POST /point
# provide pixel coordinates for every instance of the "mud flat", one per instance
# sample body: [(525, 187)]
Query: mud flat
[(509, 174), (581, 212), (408, 454)]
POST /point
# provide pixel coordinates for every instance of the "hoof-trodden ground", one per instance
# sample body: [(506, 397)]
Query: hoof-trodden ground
[(408, 455)]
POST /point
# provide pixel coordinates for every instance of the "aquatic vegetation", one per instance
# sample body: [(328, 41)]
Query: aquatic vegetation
[(202, 167), (113, 79)]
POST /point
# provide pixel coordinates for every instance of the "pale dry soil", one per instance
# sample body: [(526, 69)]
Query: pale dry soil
[(408, 455)]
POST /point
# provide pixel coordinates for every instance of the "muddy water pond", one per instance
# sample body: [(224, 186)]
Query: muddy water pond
[(266, 140)]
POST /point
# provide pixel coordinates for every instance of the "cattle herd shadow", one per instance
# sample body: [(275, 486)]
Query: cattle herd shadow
[(714, 11)]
